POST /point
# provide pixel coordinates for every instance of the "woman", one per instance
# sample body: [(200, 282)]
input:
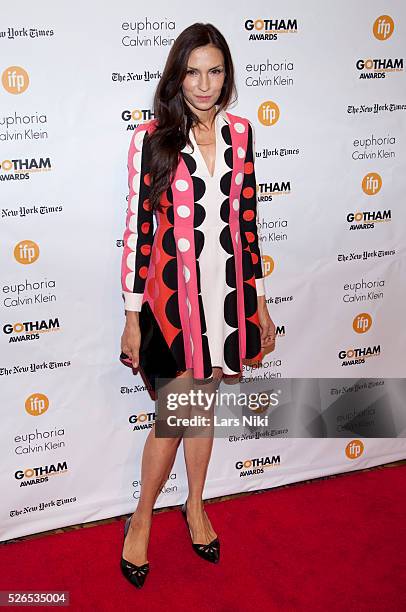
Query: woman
[(201, 272)]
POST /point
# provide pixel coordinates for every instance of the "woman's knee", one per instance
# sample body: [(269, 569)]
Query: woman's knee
[(172, 436)]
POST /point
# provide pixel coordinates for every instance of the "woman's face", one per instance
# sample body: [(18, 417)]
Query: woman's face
[(204, 77)]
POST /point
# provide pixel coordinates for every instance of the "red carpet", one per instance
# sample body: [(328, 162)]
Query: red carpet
[(335, 544)]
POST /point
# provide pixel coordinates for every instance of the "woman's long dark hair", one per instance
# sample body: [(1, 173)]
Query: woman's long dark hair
[(174, 117)]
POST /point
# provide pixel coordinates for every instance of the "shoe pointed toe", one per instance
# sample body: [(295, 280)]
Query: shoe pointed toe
[(209, 552), (136, 574)]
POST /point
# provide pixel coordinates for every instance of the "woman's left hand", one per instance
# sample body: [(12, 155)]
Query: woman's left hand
[(268, 329)]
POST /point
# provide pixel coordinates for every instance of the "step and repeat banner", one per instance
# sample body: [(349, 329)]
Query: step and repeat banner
[(324, 87)]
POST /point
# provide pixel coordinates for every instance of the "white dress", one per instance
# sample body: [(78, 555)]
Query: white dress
[(213, 257)]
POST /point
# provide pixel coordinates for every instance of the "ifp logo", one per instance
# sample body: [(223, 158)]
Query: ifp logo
[(15, 80), (371, 183), (362, 323), (36, 404), (26, 252), (383, 27), (268, 113), (268, 264), (354, 449)]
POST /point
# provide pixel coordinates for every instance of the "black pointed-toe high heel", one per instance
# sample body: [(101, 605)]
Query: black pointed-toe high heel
[(136, 574), (209, 552)]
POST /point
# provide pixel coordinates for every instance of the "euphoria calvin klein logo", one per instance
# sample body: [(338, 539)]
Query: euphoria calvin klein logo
[(268, 113), (26, 252), (150, 28), (383, 27), (15, 80), (36, 404)]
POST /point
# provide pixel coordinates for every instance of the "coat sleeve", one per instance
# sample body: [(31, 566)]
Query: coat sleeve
[(249, 212), (139, 227)]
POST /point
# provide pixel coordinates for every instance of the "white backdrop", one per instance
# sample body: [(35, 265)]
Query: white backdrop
[(325, 90)]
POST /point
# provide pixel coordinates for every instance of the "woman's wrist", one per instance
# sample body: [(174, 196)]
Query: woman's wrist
[(132, 316), (261, 301)]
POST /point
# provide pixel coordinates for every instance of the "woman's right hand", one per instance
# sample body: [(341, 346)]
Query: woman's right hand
[(131, 338)]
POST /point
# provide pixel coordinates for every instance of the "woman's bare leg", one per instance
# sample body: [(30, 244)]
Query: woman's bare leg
[(157, 460), (197, 452)]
